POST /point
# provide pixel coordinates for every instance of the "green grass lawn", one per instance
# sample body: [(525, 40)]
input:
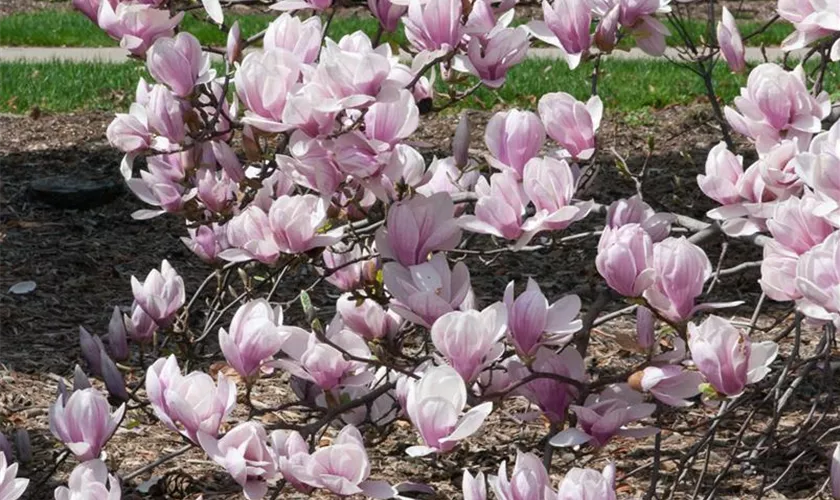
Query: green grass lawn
[(54, 28), (61, 87)]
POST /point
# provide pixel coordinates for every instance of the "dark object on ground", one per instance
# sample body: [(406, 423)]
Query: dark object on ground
[(72, 192)]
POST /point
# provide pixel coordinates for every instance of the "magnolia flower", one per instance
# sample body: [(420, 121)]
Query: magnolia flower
[(550, 185), (474, 488), (367, 318), (528, 481), (491, 60), (586, 484), (423, 293), (730, 43), (635, 211), (292, 454), (387, 13), (434, 25), (136, 25), (417, 227), (84, 422), (302, 38), (723, 173), (818, 279), (470, 340), (161, 294), (670, 384), (552, 396), (566, 26), (89, 481), (435, 404), (513, 137), (179, 63), (681, 269), (245, 455), (129, 132), (207, 241), (625, 259), (263, 82), (499, 209), (256, 335), (606, 415), (533, 323), (571, 123), (346, 269), (11, 487), (189, 404)]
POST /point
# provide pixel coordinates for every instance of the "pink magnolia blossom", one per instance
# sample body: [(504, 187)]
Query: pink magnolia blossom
[(118, 336), (550, 185), (474, 488), (533, 323), (165, 114), (499, 209), (635, 211), (776, 105), (367, 318), (292, 454), (606, 415), (263, 83), (387, 13), (778, 171), (343, 468), (796, 226), (214, 189), (347, 268), (141, 327), (90, 8), (425, 292), (552, 396), (233, 45), (179, 63), (681, 268), (434, 25), (299, 37), (513, 137), (491, 60), (471, 340), (723, 174), (606, 32), (84, 422), (161, 185), (778, 272), (571, 123), (819, 168), (818, 279), (91, 481), (207, 242), (625, 259), (292, 225), (649, 33), (11, 486), (645, 328), (528, 481), (671, 384), (730, 43), (446, 177), (566, 26), (586, 484), (136, 25), (245, 455), (256, 335), (129, 132), (435, 405), (727, 357), (813, 21), (417, 227), (161, 294), (352, 70), (189, 403), (392, 118)]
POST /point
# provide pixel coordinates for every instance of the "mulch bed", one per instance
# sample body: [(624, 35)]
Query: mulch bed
[(81, 261)]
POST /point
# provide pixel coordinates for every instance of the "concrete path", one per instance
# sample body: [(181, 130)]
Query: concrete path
[(118, 55)]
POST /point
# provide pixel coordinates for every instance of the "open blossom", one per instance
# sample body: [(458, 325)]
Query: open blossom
[(435, 405), (11, 487), (500, 207), (528, 481), (532, 322), (670, 384), (724, 171), (136, 25), (446, 177), (84, 422), (352, 70), (293, 225), (244, 453), (727, 357), (206, 241), (434, 25), (417, 227), (471, 340), (256, 335), (179, 63), (129, 132), (730, 43), (89, 481), (513, 137), (393, 117), (299, 37), (425, 292), (552, 396), (571, 123), (681, 268), (367, 317), (491, 60), (566, 26), (161, 294), (263, 83), (189, 404), (347, 268), (606, 415), (550, 185), (387, 13), (586, 484), (634, 210), (818, 279), (343, 468), (776, 105), (292, 454), (625, 259)]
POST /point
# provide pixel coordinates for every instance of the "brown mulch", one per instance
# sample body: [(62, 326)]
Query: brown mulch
[(81, 261)]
